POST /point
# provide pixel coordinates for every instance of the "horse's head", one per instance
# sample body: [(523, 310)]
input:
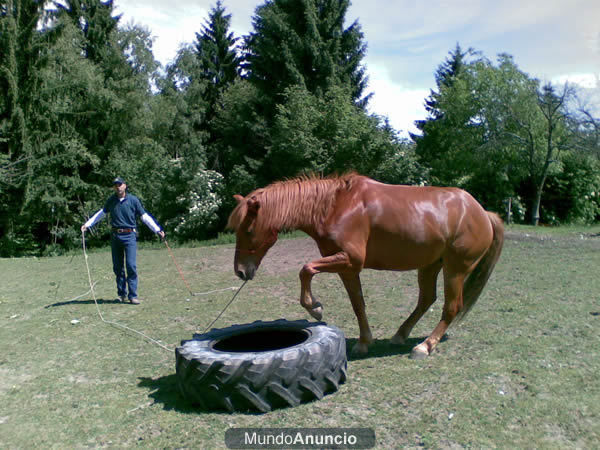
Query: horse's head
[(253, 237)]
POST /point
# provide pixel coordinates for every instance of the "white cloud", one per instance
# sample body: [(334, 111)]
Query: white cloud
[(176, 23), (385, 21), (402, 20), (547, 37), (401, 105), (407, 40), (583, 80), (170, 26)]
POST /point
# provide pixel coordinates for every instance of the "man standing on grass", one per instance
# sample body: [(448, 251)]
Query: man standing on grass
[(124, 210)]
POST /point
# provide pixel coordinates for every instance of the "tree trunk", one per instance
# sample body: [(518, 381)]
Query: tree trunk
[(537, 199), (535, 209)]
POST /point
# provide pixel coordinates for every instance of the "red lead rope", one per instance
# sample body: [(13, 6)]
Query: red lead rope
[(178, 268)]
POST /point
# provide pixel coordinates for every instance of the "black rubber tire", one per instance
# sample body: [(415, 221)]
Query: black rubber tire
[(230, 379)]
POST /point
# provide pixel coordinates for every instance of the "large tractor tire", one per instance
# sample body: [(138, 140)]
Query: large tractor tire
[(262, 365)]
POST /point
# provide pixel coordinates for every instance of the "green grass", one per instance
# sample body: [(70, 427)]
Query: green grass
[(520, 371)]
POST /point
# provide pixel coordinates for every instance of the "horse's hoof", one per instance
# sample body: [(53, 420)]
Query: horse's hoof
[(397, 340), (316, 312), (419, 352), (360, 349)]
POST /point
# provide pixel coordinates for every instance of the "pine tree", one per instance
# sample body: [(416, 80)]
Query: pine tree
[(445, 75), (117, 102), (218, 66), (23, 52), (96, 21), (216, 50), (438, 137), (304, 43), (24, 47)]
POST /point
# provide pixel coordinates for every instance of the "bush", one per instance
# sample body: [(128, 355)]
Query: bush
[(573, 195), (202, 202)]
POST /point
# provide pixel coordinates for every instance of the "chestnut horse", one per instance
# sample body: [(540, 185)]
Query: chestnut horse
[(360, 223)]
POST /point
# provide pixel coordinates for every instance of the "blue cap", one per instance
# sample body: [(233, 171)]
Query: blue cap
[(118, 180)]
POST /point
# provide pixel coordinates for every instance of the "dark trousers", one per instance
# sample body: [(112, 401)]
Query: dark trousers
[(124, 247)]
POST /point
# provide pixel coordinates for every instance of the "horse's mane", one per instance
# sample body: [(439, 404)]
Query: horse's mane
[(287, 204)]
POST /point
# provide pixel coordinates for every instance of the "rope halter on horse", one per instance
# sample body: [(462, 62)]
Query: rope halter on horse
[(267, 243)]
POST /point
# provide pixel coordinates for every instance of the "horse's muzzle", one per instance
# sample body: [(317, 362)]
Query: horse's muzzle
[(246, 275)]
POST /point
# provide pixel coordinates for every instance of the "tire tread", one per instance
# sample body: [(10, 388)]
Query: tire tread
[(221, 380)]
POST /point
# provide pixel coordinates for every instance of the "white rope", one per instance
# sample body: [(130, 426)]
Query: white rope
[(110, 322), (232, 288), (118, 325), (226, 306), (82, 295)]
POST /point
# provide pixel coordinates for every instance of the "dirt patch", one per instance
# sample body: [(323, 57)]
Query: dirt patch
[(290, 254), (286, 254)]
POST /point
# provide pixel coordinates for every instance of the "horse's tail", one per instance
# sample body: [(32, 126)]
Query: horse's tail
[(478, 278)]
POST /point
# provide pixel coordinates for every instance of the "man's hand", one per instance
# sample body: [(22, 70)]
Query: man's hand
[(83, 228), (161, 234)]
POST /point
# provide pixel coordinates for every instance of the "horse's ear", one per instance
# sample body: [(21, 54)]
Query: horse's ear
[(253, 206), (238, 198)]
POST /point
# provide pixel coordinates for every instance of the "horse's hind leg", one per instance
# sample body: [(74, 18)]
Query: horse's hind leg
[(453, 292), (427, 296), (354, 289)]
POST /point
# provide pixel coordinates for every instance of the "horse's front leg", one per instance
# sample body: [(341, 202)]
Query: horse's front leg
[(342, 264), (334, 263)]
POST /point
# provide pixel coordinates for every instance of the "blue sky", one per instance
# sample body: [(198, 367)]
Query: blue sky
[(553, 40)]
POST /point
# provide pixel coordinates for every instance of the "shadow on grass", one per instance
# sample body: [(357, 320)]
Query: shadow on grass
[(381, 348), (101, 301), (165, 392)]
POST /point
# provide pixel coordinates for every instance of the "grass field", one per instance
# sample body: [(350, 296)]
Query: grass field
[(520, 371)]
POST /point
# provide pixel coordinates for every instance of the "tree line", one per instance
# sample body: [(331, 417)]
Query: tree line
[(84, 100)]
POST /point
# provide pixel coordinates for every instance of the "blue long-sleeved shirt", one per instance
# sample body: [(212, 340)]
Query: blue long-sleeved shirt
[(124, 213)]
